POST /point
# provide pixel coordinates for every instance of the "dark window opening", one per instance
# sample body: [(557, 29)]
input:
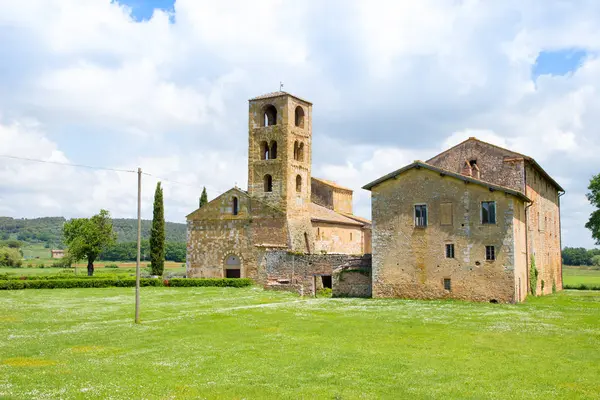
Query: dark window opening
[(447, 284), (488, 212), (306, 242), (264, 151), (299, 117), (273, 152), (450, 251), (494, 301), (473, 163), (268, 183), (235, 206), (298, 183), (490, 253), (270, 116), (326, 279), (421, 216)]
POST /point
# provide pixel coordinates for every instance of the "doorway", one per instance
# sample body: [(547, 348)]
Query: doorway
[(233, 266)]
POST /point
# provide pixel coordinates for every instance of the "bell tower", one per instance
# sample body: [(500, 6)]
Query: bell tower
[(279, 152)]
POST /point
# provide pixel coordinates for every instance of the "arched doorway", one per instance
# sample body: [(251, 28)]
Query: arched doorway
[(233, 266)]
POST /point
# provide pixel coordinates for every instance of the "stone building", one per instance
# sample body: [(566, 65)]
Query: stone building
[(284, 210), (466, 224)]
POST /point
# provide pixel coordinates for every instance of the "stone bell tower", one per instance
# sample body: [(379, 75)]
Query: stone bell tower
[(279, 160)]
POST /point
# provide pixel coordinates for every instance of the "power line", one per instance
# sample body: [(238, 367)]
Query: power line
[(67, 164)]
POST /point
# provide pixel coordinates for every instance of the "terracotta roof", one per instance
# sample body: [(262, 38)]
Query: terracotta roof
[(357, 218), (322, 214), (527, 158), (420, 164), (277, 94), (331, 183)]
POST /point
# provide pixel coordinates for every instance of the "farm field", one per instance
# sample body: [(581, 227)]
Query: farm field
[(248, 343), (581, 275)]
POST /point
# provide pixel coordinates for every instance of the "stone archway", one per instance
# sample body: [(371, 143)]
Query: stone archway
[(232, 267)]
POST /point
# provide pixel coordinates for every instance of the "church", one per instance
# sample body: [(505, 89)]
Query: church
[(285, 208)]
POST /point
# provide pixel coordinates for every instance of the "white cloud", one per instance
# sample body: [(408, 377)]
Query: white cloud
[(391, 82)]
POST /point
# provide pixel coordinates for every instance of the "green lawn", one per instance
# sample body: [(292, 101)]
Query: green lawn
[(248, 343), (581, 275)]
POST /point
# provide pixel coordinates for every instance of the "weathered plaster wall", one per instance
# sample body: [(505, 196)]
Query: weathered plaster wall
[(332, 197), (353, 279), (410, 262), (492, 162), (335, 238), (544, 230), (520, 235)]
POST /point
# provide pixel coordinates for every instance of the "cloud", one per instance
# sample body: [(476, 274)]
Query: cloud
[(83, 81)]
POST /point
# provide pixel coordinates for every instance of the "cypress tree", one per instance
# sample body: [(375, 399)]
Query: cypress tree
[(157, 234), (203, 198)]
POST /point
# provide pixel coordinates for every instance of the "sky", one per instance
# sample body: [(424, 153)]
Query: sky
[(164, 85)]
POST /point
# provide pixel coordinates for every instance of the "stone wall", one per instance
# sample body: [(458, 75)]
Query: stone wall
[(337, 238), (543, 220), (353, 279), (493, 163), (410, 262), (282, 267)]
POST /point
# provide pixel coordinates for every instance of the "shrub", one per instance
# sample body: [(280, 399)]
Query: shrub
[(533, 276), (10, 257), (324, 292), (582, 286), (111, 266), (553, 286), (218, 282)]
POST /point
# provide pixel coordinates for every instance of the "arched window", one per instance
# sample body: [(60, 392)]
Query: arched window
[(270, 116), (235, 208), (301, 152), (296, 150), (298, 183), (299, 117), (273, 152), (268, 183), (264, 151)]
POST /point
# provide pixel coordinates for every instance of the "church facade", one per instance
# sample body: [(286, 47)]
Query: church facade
[(284, 208)]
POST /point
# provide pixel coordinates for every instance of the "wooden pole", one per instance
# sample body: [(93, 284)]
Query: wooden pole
[(139, 246)]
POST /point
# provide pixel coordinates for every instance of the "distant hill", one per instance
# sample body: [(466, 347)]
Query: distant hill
[(48, 230)]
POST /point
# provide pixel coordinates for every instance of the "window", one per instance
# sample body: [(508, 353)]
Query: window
[(298, 183), (450, 251), (488, 212), (299, 117), (270, 116), (273, 152), (421, 215), (490, 253), (268, 183), (447, 284), (235, 208), (350, 236), (446, 214), (473, 162), (264, 151), (301, 152)]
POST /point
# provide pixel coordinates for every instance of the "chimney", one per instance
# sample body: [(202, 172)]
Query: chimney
[(467, 170)]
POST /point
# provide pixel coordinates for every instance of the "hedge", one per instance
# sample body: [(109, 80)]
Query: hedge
[(64, 276), (218, 282), (582, 286), (17, 284)]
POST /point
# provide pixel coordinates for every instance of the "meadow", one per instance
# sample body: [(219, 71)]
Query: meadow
[(248, 343), (575, 276)]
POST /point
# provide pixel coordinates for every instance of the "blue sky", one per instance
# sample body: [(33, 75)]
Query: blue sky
[(165, 86)]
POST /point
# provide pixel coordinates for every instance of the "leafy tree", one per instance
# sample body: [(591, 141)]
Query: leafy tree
[(576, 256), (594, 197), (203, 197), (157, 234), (87, 237)]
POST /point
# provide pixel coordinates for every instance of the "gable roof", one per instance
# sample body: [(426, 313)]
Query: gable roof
[(278, 94), (513, 153), (233, 189), (323, 214), (331, 183), (420, 164)]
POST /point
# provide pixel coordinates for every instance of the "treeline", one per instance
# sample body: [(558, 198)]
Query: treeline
[(48, 230), (580, 256), (127, 251)]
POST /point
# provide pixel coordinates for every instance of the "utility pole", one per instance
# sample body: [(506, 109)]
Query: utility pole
[(139, 246)]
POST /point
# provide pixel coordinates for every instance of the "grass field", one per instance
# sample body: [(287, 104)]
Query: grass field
[(81, 268), (248, 343), (581, 275)]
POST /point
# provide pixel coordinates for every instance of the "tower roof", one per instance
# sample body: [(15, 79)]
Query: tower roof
[(278, 94)]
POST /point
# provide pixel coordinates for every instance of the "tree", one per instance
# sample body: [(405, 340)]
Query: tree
[(594, 197), (203, 197), (10, 257), (596, 261), (87, 237), (157, 234)]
